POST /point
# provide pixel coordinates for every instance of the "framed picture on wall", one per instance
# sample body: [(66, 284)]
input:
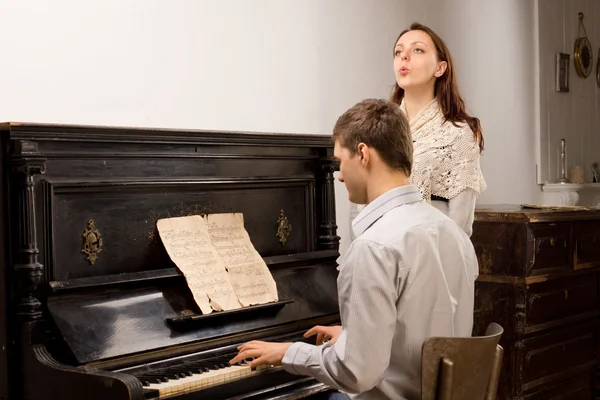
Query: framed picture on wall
[(562, 72)]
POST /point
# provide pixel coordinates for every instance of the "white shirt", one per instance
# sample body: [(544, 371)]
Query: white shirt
[(408, 276)]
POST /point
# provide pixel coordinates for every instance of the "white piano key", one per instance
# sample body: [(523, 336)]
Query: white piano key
[(206, 379)]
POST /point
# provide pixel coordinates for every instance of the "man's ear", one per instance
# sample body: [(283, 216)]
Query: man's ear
[(363, 154), (441, 69)]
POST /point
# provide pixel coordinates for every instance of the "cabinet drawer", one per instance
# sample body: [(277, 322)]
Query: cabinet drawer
[(556, 352), (586, 237), (560, 298), (549, 248), (578, 388)]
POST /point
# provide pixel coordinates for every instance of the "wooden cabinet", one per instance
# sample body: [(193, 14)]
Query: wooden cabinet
[(539, 276)]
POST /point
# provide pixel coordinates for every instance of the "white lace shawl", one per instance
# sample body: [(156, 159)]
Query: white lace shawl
[(445, 157)]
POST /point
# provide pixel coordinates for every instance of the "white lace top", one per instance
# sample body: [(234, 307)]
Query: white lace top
[(445, 164), (445, 156)]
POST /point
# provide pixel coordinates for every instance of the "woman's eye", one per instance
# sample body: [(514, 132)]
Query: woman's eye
[(418, 50), (397, 53)]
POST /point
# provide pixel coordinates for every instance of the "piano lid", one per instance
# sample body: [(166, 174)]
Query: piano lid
[(103, 324)]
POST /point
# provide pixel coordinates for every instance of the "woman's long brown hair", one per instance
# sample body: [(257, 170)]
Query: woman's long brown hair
[(446, 89)]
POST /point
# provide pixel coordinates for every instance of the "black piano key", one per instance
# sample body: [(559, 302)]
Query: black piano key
[(208, 366), (198, 365), (156, 378), (198, 368), (182, 370), (172, 374), (153, 379)]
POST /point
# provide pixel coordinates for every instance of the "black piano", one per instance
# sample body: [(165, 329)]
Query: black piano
[(92, 307)]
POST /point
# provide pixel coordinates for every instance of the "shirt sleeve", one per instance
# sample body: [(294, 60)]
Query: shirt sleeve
[(461, 209), (358, 359)]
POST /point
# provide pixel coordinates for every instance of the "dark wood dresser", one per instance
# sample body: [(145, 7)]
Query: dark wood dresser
[(539, 272)]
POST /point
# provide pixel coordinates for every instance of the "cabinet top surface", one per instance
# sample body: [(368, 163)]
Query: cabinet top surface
[(518, 213)]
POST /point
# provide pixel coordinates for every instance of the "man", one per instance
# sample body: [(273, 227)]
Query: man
[(409, 274)]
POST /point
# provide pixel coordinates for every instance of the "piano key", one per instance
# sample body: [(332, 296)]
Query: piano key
[(181, 370), (207, 379), (177, 372), (152, 379)]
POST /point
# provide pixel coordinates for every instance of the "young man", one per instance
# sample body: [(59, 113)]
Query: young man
[(409, 274)]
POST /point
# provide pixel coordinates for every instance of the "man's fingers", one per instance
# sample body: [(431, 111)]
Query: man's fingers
[(313, 330), (247, 353), (323, 333), (320, 339), (249, 345), (239, 357), (257, 361)]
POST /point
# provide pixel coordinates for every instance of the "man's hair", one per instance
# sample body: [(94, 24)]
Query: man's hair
[(380, 125)]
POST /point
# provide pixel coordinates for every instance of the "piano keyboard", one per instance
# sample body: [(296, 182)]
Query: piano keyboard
[(193, 376)]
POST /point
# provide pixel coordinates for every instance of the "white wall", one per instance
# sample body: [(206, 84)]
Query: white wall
[(574, 116), (264, 65), (491, 42)]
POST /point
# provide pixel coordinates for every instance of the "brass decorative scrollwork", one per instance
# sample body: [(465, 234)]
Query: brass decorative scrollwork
[(92, 242), (284, 228)]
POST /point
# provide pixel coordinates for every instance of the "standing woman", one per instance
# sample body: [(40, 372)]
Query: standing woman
[(447, 141)]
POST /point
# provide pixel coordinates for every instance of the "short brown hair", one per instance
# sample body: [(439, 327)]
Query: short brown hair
[(380, 125)]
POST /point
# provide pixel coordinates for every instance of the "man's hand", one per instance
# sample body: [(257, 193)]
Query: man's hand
[(262, 352), (324, 333)]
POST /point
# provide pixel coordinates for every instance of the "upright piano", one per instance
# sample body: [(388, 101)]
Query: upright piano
[(91, 305)]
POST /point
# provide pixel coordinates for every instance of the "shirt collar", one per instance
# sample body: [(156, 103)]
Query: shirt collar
[(391, 199)]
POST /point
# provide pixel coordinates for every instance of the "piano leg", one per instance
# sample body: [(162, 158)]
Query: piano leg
[(58, 381)]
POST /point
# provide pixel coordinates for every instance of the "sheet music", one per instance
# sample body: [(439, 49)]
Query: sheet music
[(188, 244), (248, 273)]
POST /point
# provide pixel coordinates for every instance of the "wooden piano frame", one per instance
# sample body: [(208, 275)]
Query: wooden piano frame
[(88, 291)]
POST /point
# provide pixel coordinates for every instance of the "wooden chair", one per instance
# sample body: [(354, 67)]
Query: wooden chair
[(462, 368)]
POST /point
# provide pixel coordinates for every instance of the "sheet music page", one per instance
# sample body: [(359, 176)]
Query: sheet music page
[(249, 275), (188, 244)]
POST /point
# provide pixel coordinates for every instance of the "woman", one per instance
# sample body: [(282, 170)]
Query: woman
[(447, 141)]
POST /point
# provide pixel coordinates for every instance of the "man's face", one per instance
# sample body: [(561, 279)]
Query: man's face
[(352, 173)]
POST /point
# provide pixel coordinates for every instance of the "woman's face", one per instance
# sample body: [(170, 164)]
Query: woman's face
[(416, 64)]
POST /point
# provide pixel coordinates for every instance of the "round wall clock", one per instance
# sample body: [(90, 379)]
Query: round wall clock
[(584, 55)]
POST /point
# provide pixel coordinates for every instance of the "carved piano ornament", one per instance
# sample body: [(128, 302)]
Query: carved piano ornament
[(94, 307)]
